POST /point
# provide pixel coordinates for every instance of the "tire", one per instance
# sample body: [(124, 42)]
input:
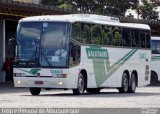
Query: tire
[(133, 84), (35, 91), (154, 79), (80, 86), (93, 90), (125, 84)]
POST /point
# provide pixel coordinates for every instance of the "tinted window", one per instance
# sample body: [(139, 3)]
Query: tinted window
[(155, 46), (86, 33), (116, 33), (148, 38), (96, 34), (74, 54), (126, 37), (110, 35), (28, 39), (105, 35), (158, 47), (143, 39), (153, 43), (54, 45), (135, 38), (76, 28)]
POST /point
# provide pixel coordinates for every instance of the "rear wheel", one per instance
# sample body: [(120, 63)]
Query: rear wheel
[(80, 86), (93, 90), (154, 79), (133, 84), (35, 91), (125, 83)]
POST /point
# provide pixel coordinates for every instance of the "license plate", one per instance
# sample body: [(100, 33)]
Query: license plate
[(38, 82)]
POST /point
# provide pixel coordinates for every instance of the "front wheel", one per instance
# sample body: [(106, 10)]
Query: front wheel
[(80, 86), (35, 91), (125, 83)]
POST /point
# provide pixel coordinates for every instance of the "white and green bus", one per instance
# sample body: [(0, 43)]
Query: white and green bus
[(82, 52), (155, 64)]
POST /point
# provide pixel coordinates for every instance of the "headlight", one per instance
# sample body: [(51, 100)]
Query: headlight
[(60, 83), (18, 81)]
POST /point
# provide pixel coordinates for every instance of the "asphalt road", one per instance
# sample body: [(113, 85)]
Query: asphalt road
[(145, 97)]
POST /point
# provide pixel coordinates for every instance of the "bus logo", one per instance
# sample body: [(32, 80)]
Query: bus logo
[(94, 53), (142, 56)]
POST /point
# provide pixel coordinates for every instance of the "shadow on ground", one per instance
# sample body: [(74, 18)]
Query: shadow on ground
[(101, 94)]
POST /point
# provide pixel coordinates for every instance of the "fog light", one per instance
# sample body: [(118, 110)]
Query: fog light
[(18, 82), (60, 83)]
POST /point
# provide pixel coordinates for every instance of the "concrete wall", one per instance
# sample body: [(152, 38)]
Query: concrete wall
[(2, 46)]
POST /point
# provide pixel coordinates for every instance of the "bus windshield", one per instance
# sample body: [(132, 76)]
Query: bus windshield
[(45, 42)]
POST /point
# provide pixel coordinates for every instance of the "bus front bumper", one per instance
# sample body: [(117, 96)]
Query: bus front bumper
[(41, 82)]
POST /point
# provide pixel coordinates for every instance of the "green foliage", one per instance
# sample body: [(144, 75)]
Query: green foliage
[(147, 11), (76, 32), (110, 36), (117, 37), (96, 34), (50, 2), (112, 7), (65, 5)]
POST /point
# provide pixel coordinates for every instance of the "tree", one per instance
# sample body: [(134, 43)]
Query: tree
[(119, 7), (112, 7), (130, 15), (155, 2), (58, 3), (147, 11), (50, 2)]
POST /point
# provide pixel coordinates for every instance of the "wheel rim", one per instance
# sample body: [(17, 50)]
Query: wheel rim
[(81, 84), (125, 83)]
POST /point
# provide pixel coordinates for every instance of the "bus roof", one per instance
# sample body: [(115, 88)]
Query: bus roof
[(89, 18), (155, 38)]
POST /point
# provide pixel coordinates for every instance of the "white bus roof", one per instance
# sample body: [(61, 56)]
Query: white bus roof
[(155, 38), (89, 18)]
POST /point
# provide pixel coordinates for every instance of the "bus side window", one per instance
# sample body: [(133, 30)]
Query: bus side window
[(153, 44), (105, 35), (110, 35), (148, 39), (135, 38), (126, 37), (86, 33), (76, 31), (117, 36), (74, 54), (143, 38), (96, 34), (157, 47)]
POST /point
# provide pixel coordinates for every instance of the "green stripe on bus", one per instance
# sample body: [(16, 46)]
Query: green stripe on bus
[(33, 71), (102, 68), (155, 58)]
